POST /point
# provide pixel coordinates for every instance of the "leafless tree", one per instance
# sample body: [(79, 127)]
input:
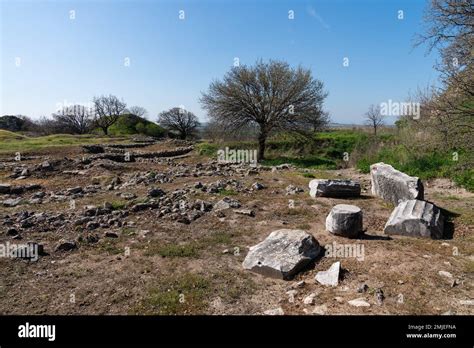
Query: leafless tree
[(374, 118), (179, 120), (76, 118), (138, 111), (450, 30), (107, 111), (272, 96)]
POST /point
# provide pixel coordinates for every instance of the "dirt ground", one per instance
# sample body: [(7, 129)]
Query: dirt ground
[(154, 264)]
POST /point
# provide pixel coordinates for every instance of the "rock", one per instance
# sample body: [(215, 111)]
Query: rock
[(274, 311), (416, 218), (393, 185), (320, 310), (292, 190), (92, 225), (282, 254), (74, 190), (93, 148), (334, 188), (359, 302), (345, 220), (282, 166), (329, 277), (64, 245), (363, 288), (298, 285), (12, 232), (257, 186), (309, 300), (46, 166), (156, 192), (12, 202), (201, 205), (445, 274), (128, 196), (246, 212), (379, 296), (5, 188), (111, 234), (226, 203)]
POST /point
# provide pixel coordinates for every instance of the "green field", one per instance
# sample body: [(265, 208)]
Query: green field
[(326, 150), (13, 142)]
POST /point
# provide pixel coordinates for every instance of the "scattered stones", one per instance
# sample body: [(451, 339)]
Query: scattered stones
[(256, 186), (111, 234), (292, 190), (12, 202), (12, 232), (329, 277), (359, 302), (92, 225), (445, 274), (363, 288), (298, 285), (309, 300), (74, 190), (282, 254), (379, 296), (345, 220), (156, 192), (415, 218), (64, 245), (226, 203), (334, 188), (46, 165), (5, 188), (393, 185), (247, 212), (320, 310), (274, 311), (128, 196)]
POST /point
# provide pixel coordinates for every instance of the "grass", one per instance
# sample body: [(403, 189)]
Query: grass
[(224, 192), (190, 249), (427, 165), (325, 150), (173, 295), (8, 143), (174, 250)]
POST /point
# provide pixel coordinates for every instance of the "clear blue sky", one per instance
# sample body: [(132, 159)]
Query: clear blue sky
[(173, 60)]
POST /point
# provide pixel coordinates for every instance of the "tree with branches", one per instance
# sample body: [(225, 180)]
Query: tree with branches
[(374, 118), (180, 121), (76, 118), (271, 96), (450, 30), (138, 111), (107, 111)]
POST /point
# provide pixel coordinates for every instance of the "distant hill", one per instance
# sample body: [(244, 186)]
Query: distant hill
[(129, 124), (12, 123)]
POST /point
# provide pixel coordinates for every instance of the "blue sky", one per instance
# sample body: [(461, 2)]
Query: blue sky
[(173, 60)]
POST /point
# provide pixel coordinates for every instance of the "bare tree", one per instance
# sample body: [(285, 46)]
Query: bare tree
[(374, 118), (179, 120), (138, 111), (272, 96), (76, 118), (107, 111), (450, 30)]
